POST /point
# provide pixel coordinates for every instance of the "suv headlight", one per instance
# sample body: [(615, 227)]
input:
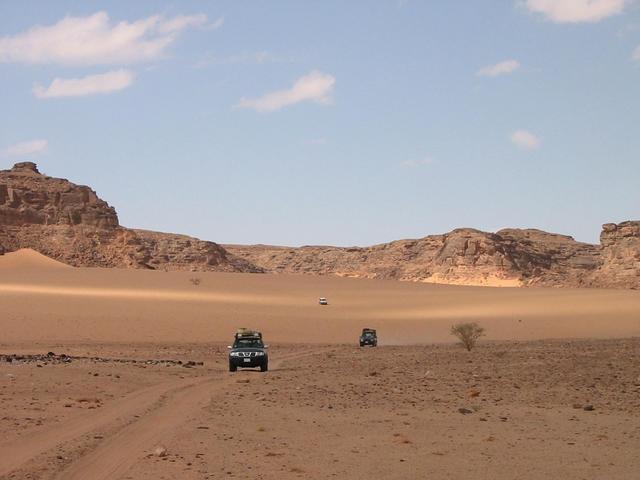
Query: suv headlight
[(259, 354), (235, 354)]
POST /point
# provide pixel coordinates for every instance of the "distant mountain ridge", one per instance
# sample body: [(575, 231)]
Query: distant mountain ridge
[(510, 257), (70, 223)]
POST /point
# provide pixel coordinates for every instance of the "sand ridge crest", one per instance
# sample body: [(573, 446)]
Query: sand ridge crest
[(28, 258)]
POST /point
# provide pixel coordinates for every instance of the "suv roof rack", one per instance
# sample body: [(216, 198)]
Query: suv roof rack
[(247, 332)]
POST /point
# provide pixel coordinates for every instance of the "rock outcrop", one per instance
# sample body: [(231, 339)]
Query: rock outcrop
[(620, 255), (510, 257), (29, 198), (70, 223)]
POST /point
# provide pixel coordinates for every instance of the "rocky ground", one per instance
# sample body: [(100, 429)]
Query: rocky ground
[(527, 410)]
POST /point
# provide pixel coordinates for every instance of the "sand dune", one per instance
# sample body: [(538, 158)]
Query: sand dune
[(42, 300), (27, 258)]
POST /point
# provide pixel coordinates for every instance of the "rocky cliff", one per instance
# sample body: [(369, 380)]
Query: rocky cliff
[(620, 266), (510, 257), (70, 223)]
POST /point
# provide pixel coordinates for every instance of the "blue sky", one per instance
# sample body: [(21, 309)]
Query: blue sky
[(344, 123)]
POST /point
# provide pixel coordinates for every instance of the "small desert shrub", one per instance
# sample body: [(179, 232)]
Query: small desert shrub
[(195, 281), (467, 333)]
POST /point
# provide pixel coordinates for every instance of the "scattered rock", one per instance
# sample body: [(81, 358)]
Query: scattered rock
[(52, 358), (465, 411), (160, 451)]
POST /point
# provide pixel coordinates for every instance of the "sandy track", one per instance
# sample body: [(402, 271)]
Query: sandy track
[(162, 409), (115, 456), (16, 454)]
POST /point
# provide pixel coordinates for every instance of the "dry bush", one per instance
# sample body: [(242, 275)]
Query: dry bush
[(467, 333), (195, 281)]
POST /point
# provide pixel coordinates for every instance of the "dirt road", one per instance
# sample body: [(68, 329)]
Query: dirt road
[(140, 421)]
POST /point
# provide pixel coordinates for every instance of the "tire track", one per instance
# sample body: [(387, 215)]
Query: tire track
[(18, 453), (114, 457)]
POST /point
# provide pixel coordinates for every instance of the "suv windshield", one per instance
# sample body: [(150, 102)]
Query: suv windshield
[(248, 343)]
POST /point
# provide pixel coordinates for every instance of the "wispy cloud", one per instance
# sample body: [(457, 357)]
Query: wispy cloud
[(215, 24), (421, 162), (525, 140), (90, 85), (245, 58), (501, 68), (315, 87), (577, 11), (95, 40), (181, 22), (32, 147)]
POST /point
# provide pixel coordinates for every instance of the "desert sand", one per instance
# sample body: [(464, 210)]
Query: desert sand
[(42, 302), (552, 391)]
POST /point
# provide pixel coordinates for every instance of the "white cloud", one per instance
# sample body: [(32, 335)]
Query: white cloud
[(215, 24), (246, 58), (95, 40), (525, 140), (576, 11), (32, 147), (502, 68), (413, 163), (90, 85), (315, 87), (181, 22)]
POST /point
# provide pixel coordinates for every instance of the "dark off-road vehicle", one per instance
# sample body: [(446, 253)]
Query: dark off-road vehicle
[(369, 337), (248, 351)]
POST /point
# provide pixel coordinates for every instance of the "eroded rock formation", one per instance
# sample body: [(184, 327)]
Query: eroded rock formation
[(620, 255), (70, 223), (510, 257)]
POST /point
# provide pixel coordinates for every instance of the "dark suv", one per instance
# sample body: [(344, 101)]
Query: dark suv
[(248, 351), (369, 337)]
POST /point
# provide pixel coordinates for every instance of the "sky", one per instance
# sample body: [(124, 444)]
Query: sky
[(333, 122)]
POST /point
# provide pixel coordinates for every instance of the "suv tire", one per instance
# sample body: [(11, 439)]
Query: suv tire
[(264, 368), (232, 368)]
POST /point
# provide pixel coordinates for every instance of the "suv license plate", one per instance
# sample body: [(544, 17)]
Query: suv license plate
[(247, 360)]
